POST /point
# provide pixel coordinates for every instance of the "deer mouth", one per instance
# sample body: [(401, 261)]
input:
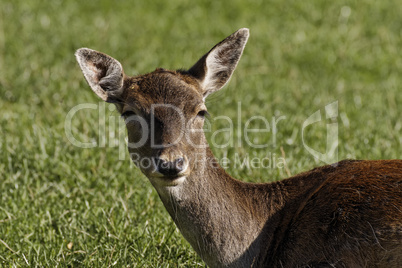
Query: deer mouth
[(172, 173), (162, 180)]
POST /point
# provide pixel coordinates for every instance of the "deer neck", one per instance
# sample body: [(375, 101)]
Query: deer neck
[(221, 217)]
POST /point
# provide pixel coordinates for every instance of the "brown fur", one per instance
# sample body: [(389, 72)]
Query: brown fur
[(344, 215)]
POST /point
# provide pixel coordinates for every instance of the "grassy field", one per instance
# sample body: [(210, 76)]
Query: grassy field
[(63, 205)]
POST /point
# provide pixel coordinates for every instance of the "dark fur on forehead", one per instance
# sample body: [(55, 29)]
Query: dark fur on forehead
[(164, 87)]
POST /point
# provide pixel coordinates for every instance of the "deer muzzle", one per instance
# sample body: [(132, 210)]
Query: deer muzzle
[(170, 168)]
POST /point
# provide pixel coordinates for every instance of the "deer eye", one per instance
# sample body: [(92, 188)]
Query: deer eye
[(202, 113), (127, 114)]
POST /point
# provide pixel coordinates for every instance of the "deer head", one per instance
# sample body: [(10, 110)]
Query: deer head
[(164, 110)]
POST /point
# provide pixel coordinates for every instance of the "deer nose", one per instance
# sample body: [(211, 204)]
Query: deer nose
[(170, 168)]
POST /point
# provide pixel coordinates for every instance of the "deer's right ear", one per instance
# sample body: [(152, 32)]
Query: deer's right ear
[(103, 73), (216, 67)]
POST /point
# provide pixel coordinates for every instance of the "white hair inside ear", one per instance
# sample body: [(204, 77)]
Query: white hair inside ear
[(103, 73), (216, 67)]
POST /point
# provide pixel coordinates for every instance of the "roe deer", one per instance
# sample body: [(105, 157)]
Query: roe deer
[(343, 215)]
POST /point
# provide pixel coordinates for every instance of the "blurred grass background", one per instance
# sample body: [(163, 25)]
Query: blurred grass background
[(61, 205)]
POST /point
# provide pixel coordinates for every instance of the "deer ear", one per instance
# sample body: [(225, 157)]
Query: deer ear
[(103, 73), (215, 68)]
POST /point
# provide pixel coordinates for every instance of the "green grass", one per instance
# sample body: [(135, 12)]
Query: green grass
[(300, 57)]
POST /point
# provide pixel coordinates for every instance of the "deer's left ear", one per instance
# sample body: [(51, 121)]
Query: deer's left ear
[(103, 73), (216, 67)]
